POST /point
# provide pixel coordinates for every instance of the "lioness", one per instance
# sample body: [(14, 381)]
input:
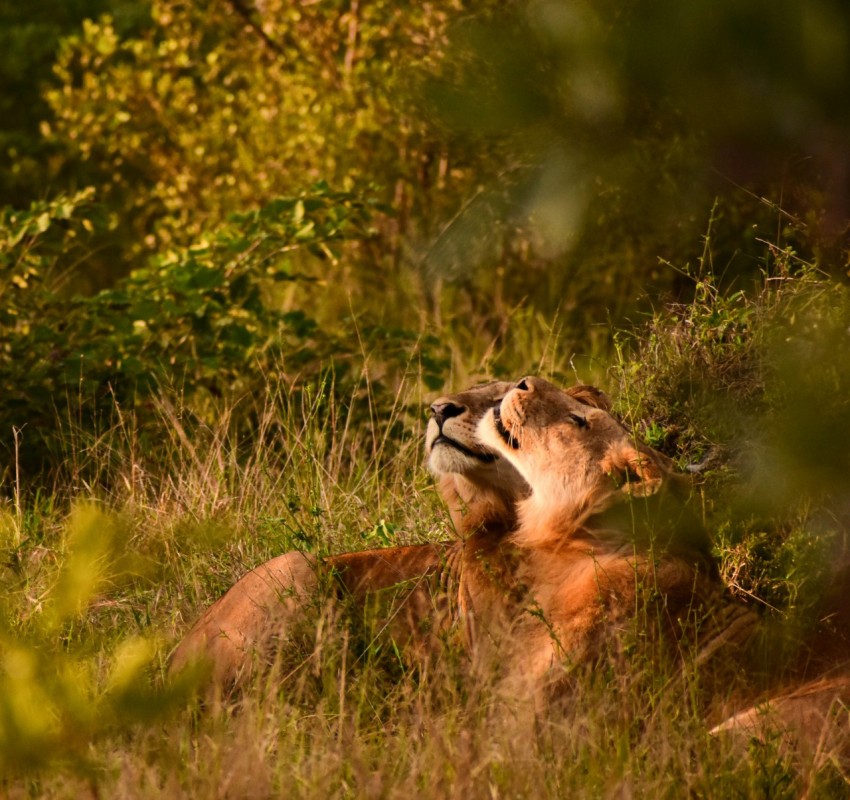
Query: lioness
[(812, 720), (481, 491), (593, 564)]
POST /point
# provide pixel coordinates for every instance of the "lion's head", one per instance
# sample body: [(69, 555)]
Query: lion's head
[(600, 532), (480, 487), (577, 459)]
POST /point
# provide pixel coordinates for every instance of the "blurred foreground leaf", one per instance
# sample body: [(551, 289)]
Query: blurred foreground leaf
[(57, 693)]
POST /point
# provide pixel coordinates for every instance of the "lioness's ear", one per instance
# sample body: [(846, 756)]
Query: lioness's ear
[(590, 396), (636, 473)]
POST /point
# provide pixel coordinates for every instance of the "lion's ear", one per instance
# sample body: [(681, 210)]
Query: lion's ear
[(590, 396), (636, 473)]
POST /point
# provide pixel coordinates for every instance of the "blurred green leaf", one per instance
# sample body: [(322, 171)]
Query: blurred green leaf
[(91, 539)]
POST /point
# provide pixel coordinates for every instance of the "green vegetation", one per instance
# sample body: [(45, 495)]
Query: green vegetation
[(244, 244)]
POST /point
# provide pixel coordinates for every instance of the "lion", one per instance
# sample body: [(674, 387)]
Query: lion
[(592, 563), (437, 581), (811, 720), (806, 712)]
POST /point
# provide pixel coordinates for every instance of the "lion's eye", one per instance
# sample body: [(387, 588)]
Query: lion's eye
[(581, 422)]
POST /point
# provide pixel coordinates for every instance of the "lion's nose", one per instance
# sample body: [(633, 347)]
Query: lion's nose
[(441, 411)]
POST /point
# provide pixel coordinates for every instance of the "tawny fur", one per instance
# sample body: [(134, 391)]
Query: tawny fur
[(461, 581), (591, 541), (811, 720)]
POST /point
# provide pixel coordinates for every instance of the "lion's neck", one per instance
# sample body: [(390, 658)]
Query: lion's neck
[(476, 508), (544, 524)]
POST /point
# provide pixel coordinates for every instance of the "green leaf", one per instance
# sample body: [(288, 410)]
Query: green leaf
[(42, 223), (206, 278)]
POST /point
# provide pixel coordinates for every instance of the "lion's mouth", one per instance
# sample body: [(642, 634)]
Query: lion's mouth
[(483, 457), (503, 432)]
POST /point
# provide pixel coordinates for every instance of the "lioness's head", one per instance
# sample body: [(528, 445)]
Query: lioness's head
[(576, 459), (480, 487)]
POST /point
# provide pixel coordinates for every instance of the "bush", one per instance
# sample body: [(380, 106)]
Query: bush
[(210, 320), (749, 391)]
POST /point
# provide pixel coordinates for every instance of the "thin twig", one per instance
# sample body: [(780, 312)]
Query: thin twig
[(245, 13)]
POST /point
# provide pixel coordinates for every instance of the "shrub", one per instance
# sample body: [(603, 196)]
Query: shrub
[(207, 320)]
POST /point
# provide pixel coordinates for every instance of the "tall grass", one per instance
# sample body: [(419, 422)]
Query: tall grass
[(104, 571)]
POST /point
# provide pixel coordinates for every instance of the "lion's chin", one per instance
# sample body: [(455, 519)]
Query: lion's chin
[(447, 459)]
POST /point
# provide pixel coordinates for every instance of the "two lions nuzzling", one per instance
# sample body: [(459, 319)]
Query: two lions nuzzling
[(244, 626), (571, 531), (532, 585)]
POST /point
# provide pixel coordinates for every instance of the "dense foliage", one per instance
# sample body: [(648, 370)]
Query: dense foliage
[(211, 319)]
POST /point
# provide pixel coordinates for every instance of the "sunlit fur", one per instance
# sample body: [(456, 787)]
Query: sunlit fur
[(594, 537), (459, 582), (480, 490)]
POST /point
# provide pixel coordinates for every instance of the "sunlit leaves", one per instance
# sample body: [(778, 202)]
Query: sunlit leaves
[(212, 317), (220, 106), (90, 542)]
